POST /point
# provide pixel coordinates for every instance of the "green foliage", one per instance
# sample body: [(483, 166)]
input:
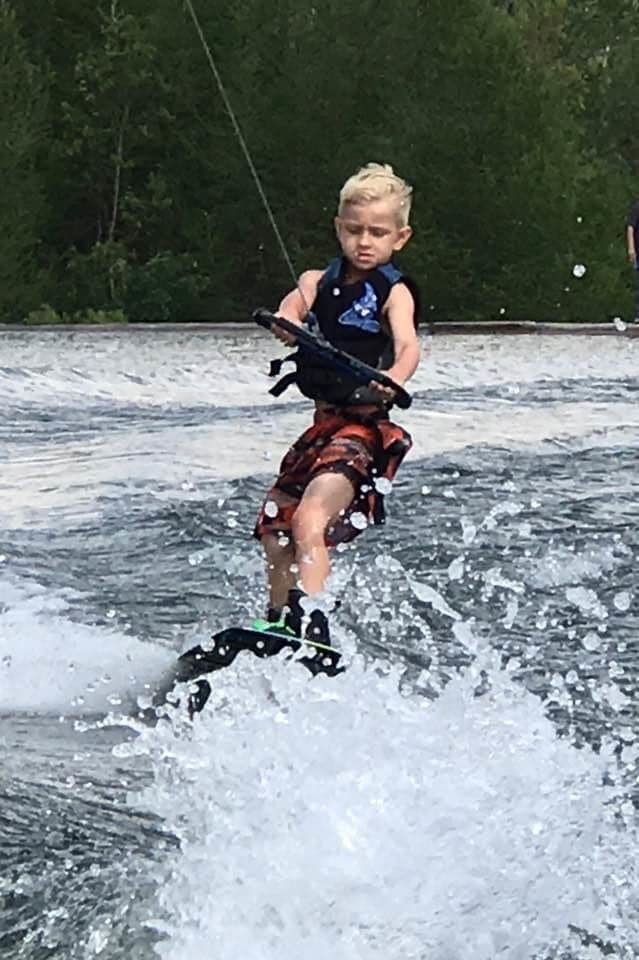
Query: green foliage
[(46, 315), (42, 316), (167, 287), (514, 119), (22, 131)]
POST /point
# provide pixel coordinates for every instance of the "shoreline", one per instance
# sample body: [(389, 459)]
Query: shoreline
[(478, 327)]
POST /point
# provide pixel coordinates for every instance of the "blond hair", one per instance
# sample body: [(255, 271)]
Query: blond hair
[(377, 181)]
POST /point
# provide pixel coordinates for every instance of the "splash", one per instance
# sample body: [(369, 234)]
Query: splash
[(349, 818), (49, 663)]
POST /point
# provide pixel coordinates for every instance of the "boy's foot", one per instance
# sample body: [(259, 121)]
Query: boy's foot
[(294, 612), (315, 624), (317, 629)]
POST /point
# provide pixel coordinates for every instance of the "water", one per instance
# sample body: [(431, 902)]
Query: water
[(466, 790)]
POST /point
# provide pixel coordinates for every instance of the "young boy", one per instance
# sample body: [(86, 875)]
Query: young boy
[(332, 480)]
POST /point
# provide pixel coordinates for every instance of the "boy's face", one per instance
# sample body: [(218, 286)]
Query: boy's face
[(369, 233)]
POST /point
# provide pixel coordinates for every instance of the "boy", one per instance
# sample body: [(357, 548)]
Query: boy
[(332, 480)]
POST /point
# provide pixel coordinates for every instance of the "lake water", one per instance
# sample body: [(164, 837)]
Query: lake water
[(467, 790)]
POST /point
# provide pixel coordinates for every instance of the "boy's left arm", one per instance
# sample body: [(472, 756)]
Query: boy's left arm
[(400, 311)]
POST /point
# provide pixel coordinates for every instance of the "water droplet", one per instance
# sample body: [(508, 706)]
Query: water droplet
[(590, 641), (621, 600), (469, 531), (578, 270), (383, 486)]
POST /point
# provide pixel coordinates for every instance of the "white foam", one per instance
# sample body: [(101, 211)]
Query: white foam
[(342, 819), (49, 663)]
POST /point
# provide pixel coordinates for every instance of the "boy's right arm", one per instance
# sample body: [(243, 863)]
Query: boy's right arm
[(298, 302)]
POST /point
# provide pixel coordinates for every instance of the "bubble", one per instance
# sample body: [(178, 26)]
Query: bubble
[(358, 520), (502, 310), (469, 531), (590, 641), (619, 324), (578, 270), (271, 509), (383, 486), (425, 491), (580, 219), (110, 613), (621, 600)]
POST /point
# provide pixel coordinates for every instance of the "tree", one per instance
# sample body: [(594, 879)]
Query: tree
[(22, 113)]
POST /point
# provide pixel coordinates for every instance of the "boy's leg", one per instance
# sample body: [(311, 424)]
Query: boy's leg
[(326, 496), (280, 567), (273, 530)]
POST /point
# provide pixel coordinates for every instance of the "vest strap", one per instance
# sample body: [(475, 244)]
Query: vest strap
[(283, 384), (276, 365)]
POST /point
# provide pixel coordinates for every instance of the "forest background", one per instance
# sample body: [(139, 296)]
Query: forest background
[(125, 195)]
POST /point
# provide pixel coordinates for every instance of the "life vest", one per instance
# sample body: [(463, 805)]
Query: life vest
[(350, 317)]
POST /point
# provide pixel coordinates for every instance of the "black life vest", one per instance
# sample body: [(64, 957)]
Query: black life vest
[(349, 316)]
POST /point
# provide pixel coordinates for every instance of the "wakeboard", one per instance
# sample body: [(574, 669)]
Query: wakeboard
[(193, 666)]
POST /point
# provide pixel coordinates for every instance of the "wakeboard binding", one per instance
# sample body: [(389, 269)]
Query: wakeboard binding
[(195, 664)]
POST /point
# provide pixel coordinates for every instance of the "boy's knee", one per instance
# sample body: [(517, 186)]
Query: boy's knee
[(309, 522)]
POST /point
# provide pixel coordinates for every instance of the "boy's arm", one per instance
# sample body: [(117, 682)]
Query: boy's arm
[(400, 309), (297, 303)]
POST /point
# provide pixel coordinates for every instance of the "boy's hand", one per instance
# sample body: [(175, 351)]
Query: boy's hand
[(387, 393), (284, 335)]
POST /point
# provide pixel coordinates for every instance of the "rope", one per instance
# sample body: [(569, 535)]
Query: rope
[(245, 150)]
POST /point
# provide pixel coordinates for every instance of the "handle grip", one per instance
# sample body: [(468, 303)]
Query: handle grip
[(340, 360)]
